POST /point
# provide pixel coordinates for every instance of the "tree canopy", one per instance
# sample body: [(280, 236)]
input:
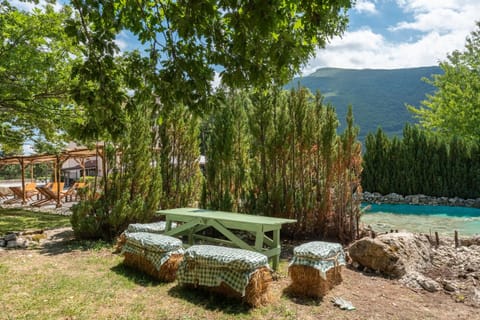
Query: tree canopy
[(35, 60), (454, 109), (48, 57), (249, 43)]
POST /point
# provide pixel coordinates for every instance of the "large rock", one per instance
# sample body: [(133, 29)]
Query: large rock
[(10, 237), (393, 254)]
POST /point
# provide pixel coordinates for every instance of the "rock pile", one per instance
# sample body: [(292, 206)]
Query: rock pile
[(420, 264), (394, 198), (17, 240)]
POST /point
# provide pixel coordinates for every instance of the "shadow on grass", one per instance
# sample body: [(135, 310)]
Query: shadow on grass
[(135, 276), (64, 242), (210, 300), (301, 300)]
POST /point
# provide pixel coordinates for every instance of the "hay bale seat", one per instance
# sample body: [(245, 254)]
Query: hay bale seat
[(236, 273), (316, 268), (154, 227), (155, 254)]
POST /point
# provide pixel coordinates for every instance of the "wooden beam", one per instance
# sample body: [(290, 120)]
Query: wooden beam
[(57, 173), (22, 165)]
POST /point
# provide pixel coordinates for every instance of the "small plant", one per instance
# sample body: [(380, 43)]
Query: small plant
[(86, 219)]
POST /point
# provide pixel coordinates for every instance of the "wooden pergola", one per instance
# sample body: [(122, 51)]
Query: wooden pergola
[(58, 160)]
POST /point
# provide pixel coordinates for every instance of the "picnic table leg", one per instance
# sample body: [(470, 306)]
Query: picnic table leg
[(276, 244), (259, 240), (190, 237), (168, 225)]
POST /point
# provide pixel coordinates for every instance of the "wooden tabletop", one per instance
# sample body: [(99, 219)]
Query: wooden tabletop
[(226, 216)]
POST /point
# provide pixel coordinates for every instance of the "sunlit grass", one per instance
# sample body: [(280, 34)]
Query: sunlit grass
[(91, 283), (20, 220)]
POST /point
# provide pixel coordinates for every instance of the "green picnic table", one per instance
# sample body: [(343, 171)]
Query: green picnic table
[(194, 220)]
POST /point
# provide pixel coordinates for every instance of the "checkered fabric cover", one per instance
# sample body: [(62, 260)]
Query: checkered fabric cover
[(209, 266), (155, 248), (319, 255), (155, 227)]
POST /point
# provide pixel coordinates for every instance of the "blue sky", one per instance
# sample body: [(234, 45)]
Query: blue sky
[(388, 34)]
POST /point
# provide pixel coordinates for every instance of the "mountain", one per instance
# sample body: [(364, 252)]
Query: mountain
[(378, 97)]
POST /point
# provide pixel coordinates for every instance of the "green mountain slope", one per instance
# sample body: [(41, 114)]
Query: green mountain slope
[(378, 97)]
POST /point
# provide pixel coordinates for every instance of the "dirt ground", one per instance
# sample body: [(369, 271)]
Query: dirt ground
[(373, 296), (377, 297)]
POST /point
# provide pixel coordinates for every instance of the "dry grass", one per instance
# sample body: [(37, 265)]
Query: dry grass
[(307, 282), (84, 280)]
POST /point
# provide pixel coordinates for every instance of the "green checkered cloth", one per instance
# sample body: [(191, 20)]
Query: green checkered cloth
[(319, 255), (155, 227), (156, 248), (205, 265)]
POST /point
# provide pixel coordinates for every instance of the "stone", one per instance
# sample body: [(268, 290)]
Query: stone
[(3, 243), (475, 296), (393, 254), (415, 199), (449, 286), (18, 243), (10, 236), (428, 284), (12, 244), (419, 199)]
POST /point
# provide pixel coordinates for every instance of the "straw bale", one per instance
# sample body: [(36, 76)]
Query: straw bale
[(121, 240), (257, 292), (307, 282), (167, 272)]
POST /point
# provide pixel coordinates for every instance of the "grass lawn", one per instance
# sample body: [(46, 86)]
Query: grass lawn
[(20, 220), (84, 280), (64, 278)]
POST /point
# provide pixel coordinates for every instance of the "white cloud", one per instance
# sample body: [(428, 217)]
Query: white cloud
[(366, 49), (28, 149), (365, 6), (443, 16), (122, 41), (437, 28), (217, 80), (28, 6)]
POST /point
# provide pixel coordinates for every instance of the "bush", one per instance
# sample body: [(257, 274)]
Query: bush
[(87, 218)]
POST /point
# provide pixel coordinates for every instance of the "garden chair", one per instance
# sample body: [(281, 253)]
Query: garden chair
[(49, 194), (18, 193), (72, 191), (4, 194)]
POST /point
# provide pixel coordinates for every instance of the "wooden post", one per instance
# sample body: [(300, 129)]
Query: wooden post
[(428, 238), (22, 164), (103, 157), (456, 239), (57, 174), (437, 240)]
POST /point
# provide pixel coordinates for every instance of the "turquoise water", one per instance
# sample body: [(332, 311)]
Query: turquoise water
[(425, 219)]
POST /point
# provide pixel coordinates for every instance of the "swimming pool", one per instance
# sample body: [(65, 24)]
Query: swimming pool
[(420, 218)]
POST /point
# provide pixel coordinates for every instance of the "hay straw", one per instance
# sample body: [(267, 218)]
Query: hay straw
[(307, 282), (121, 240), (257, 292), (167, 272)]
